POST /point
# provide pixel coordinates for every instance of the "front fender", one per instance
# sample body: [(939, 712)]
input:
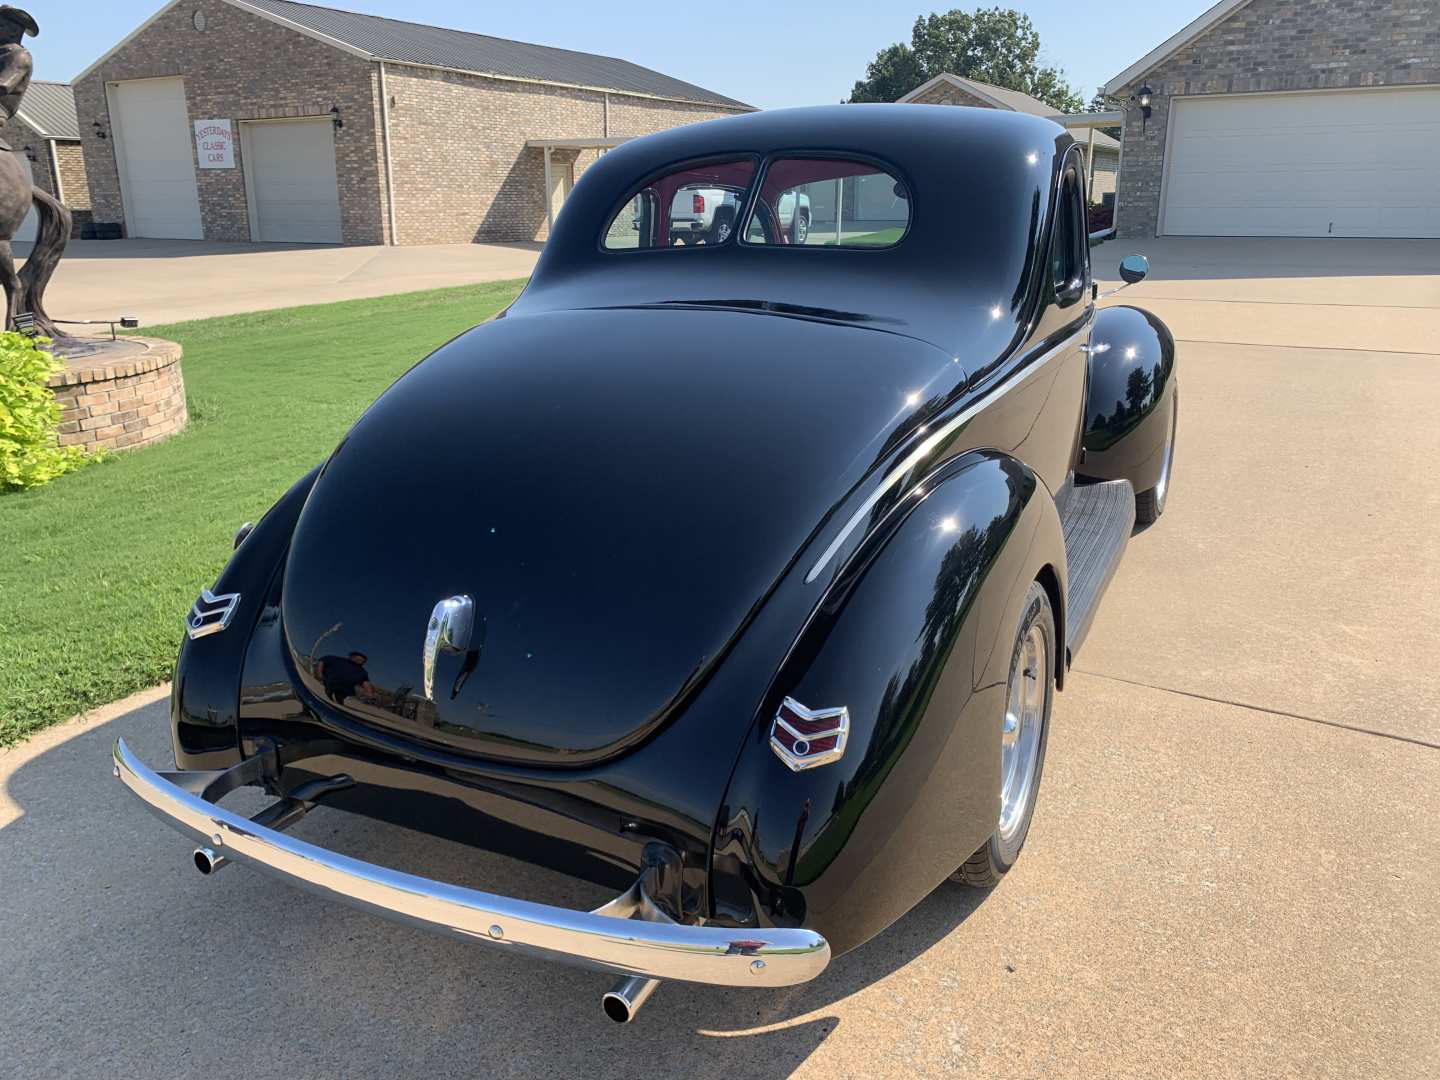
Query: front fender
[(906, 640), (205, 694), (1130, 402)]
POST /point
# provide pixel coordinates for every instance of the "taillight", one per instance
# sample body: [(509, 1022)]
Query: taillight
[(697, 204)]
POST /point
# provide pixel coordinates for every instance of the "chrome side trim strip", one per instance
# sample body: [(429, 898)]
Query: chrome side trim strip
[(926, 448), (605, 940)]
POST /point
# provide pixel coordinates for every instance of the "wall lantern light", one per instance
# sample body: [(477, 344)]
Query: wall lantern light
[(30, 153), (99, 129), (1143, 96), (335, 117)]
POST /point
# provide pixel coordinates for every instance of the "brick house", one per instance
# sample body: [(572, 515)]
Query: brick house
[(47, 134), (277, 121), (1286, 118), (1103, 152)]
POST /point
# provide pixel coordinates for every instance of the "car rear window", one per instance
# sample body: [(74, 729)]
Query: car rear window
[(828, 202), (694, 206)]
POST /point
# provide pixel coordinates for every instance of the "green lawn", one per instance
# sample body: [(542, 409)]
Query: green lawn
[(882, 238), (97, 569)]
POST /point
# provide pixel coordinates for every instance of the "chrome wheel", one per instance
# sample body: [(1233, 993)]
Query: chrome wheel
[(1020, 739)]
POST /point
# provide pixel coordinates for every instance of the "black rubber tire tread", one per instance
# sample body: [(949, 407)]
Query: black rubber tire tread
[(985, 868)]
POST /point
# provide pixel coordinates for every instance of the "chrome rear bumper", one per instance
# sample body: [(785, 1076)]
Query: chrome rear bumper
[(628, 936)]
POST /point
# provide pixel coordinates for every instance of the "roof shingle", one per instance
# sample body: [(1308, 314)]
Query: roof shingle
[(49, 107), (434, 46)]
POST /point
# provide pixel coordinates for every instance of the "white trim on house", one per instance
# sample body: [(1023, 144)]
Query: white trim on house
[(280, 20), (1217, 14), (1115, 118), (55, 169)]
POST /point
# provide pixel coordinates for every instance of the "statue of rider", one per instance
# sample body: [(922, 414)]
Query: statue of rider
[(16, 65)]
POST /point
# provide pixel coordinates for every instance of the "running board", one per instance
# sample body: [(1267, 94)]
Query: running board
[(1097, 520)]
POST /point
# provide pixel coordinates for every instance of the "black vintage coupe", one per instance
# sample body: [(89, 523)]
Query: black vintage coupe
[(734, 572)]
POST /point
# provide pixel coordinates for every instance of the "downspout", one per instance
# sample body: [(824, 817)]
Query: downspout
[(55, 171), (389, 166)]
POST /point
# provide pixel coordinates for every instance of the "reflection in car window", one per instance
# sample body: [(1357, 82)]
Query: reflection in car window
[(828, 202), (696, 206)]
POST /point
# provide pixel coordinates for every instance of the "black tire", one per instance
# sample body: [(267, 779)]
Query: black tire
[(799, 227), (997, 855), (722, 227), (1149, 505)]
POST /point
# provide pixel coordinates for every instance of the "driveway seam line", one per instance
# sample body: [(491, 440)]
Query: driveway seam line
[(1282, 303), (1308, 348), (1263, 709)]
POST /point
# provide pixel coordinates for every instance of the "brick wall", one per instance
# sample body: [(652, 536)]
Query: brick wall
[(462, 171), (945, 94), (20, 135), (1274, 45), (73, 181), (124, 404), (242, 67)]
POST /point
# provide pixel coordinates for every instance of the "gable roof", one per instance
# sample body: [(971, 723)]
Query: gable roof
[(375, 38), (999, 97), (49, 108), (1174, 43)]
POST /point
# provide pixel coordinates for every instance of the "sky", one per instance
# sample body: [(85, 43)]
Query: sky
[(770, 53)]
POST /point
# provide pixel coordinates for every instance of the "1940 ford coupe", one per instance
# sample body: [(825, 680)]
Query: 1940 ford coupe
[(736, 573)]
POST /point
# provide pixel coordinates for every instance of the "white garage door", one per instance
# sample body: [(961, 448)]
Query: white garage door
[(154, 152), (290, 165), (1328, 163)]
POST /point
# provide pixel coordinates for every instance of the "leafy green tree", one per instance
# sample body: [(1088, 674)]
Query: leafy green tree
[(993, 45)]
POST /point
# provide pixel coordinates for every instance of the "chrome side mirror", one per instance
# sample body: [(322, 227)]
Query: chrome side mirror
[(1133, 268)]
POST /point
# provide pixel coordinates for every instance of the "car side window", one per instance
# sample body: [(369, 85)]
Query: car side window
[(828, 202), (693, 206), (1069, 248)]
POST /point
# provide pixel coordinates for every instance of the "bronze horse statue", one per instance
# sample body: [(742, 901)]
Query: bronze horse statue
[(25, 290)]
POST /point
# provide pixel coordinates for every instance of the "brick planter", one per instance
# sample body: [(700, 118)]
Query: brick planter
[(127, 394)]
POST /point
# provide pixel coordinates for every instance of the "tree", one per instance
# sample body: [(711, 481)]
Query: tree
[(994, 45)]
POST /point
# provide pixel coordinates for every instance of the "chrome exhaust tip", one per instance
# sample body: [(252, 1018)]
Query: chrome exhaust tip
[(208, 861), (626, 997)]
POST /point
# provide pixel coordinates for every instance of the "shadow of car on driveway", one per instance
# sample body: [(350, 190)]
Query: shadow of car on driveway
[(117, 951)]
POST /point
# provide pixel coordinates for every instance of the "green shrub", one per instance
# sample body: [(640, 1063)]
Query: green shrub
[(29, 452)]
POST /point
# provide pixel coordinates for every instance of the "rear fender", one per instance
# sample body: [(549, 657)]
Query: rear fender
[(1130, 403), (205, 695), (912, 640)]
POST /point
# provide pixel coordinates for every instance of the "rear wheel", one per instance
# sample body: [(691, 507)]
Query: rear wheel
[(1149, 505), (1024, 733), (800, 228), (722, 228)]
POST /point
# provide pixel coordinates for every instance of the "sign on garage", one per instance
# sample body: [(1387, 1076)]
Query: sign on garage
[(215, 144)]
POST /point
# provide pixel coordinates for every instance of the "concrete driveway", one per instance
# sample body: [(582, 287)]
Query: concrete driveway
[(1233, 871), (162, 281)]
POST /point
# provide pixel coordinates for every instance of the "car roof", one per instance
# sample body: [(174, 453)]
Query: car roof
[(979, 183)]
